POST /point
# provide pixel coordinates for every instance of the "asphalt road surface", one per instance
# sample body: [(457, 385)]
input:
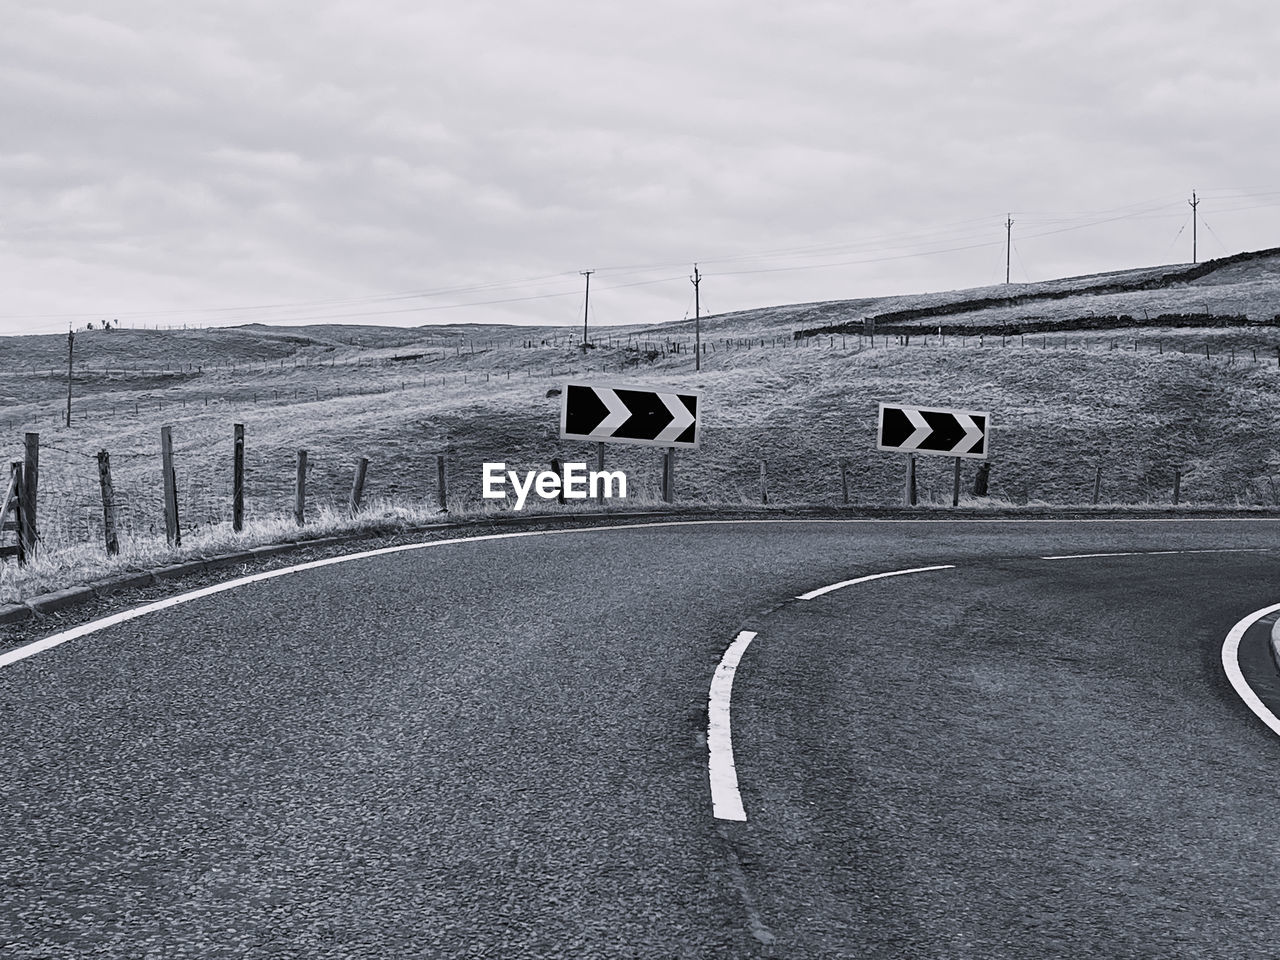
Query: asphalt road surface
[(498, 748)]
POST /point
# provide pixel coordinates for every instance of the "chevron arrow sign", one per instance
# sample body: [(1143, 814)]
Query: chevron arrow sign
[(934, 430), (631, 414)]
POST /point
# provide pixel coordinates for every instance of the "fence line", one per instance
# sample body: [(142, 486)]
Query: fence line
[(75, 507)]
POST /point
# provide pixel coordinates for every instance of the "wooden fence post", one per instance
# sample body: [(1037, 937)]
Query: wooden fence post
[(12, 505), (300, 491), (844, 480), (764, 488), (1177, 486), (980, 479), (441, 490), (108, 503), (1097, 483), (955, 486), (30, 481), (172, 531), (600, 468), (357, 486), (237, 481)]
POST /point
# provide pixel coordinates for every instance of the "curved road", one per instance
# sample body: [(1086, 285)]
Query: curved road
[(497, 748)]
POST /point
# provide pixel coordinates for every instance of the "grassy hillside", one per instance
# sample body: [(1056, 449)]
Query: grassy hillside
[(1245, 287), (1141, 403)]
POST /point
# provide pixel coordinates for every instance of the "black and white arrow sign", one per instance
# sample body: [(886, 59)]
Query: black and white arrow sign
[(935, 430), (631, 414)]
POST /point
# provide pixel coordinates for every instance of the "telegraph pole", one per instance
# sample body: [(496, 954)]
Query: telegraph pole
[(585, 304), (1008, 243), (697, 320), (71, 339), (1194, 203)]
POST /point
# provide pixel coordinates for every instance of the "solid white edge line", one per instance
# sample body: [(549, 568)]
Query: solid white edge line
[(1156, 553), (726, 801), (54, 640), (1231, 664), (875, 576)]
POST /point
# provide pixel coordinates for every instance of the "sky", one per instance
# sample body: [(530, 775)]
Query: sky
[(407, 162)]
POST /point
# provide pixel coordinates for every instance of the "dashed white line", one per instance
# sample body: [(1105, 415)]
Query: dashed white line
[(1231, 664), (1156, 553), (726, 801), (875, 576)]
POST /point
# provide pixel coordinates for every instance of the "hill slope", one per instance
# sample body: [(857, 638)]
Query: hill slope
[(1141, 404)]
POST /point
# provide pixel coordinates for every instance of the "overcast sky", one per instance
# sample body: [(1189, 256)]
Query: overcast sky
[(402, 162)]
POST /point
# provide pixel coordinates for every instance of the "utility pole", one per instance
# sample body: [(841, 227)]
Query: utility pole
[(71, 339), (1008, 243), (585, 305), (1194, 203), (697, 320)]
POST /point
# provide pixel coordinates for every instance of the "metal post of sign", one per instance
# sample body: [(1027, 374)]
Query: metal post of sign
[(237, 477), (558, 469), (955, 486), (911, 481)]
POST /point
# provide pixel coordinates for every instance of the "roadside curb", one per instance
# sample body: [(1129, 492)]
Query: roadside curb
[(47, 603)]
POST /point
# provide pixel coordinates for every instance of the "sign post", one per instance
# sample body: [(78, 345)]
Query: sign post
[(939, 431), (935, 431), (649, 416)]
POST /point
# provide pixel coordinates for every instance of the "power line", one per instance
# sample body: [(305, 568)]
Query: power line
[(946, 238)]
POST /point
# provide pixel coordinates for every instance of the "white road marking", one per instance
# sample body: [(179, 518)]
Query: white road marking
[(57, 639), (726, 801), (875, 576), (1157, 553), (1231, 664)]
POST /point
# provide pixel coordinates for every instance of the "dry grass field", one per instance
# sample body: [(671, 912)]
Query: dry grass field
[(1140, 403)]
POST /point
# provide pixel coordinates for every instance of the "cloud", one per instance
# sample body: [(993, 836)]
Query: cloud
[(173, 157)]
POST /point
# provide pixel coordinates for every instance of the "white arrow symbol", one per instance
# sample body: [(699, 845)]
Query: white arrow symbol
[(972, 434), (681, 420), (922, 431), (618, 413)]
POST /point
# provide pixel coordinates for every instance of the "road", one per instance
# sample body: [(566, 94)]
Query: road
[(497, 748)]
